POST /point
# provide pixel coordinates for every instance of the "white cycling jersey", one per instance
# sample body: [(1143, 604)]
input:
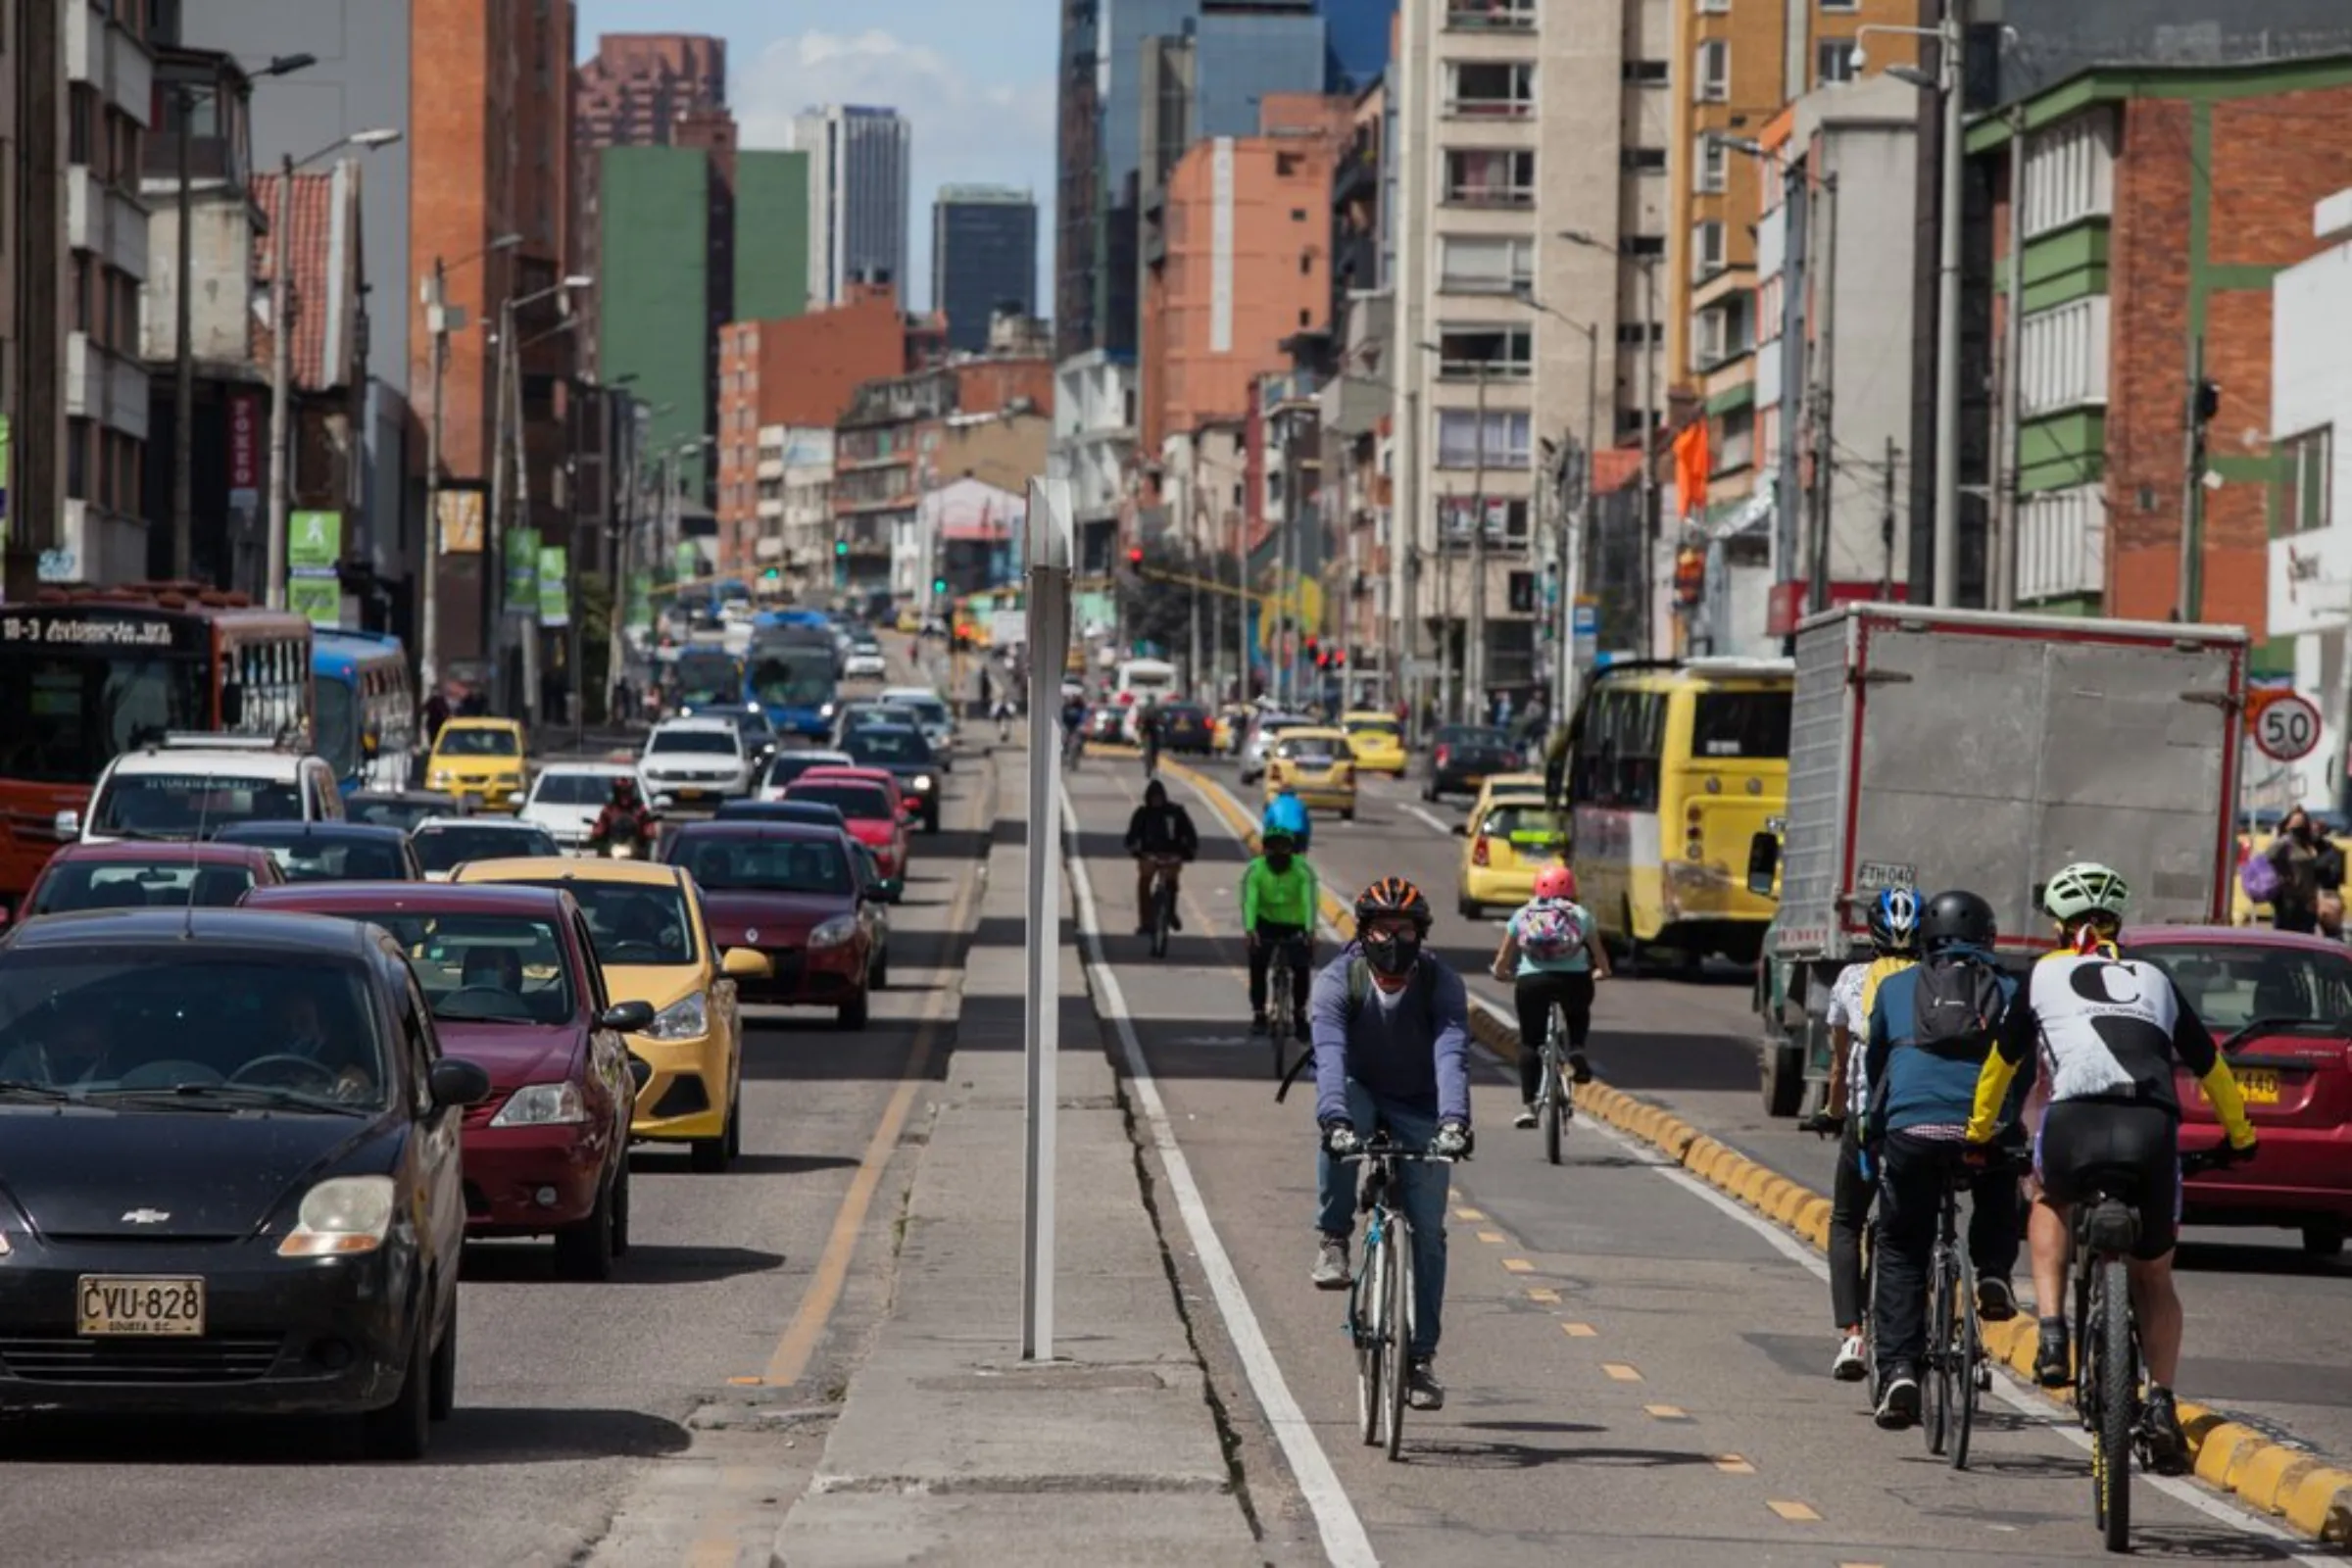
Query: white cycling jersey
[(2109, 1028)]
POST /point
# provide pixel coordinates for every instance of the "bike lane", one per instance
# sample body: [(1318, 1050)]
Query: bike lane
[(1633, 1363)]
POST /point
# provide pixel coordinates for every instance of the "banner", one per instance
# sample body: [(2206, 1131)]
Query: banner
[(244, 450), (318, 600), (313, 543), (554, 586), (461, 523), (523, 571)]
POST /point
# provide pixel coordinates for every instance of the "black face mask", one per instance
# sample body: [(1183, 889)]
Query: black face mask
[(1277, 863), (1392, 954)]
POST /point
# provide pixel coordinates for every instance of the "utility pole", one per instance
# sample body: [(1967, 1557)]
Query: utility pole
[(2203, 402), (1825, 370), (494, 527), (184, 370), (1448, 686), (35, 408), (1241, 605), (2002, 591), (1650, 456), (1948, 311), (436, 318), (1474, 656), (281, 342), (1887, 524), (1404, 570)]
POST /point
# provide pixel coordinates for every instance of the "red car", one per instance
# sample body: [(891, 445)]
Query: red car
[(2280, 1004), (791, 891), (871, 808), (510, 974), (133, 874)]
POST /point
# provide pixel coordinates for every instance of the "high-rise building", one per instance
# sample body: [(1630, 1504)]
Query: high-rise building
[(638, 85), (857, 194), (983, 258), (33, 267)]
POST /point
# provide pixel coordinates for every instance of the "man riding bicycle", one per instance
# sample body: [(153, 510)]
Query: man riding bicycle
[(1286, 812), (1391, 1037), (1161, 837), (1551, 953), (2106, 1030), (1279, 896), (1073, 725), (1147, 734), (1932, 1029), (1894, 920)]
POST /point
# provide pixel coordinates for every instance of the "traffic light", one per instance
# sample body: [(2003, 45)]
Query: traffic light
[(1314, 651), (938, 585), (2208, 400), (1135, 559), (774, 574), (841, 547)]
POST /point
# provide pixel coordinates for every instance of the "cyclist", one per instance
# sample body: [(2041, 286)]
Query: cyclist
[(1159, 834), (1147, 734), (1391, 1051), (1894, 920), (1932, 1029), (1073, 726), (1287, 813), (2106, 1030), (1279, 895), (1552, 950)]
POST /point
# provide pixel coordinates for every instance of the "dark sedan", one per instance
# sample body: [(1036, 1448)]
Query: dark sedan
[(230, 1172), (513, 980), (401, 809), (792, 892), (332, 851), (909, 758), (1184, 727), (1463, 756), (135, 874)]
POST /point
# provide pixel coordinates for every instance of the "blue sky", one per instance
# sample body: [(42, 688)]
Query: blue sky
[(975, 76)]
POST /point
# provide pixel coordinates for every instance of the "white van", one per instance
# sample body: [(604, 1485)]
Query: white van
[(192, 786)]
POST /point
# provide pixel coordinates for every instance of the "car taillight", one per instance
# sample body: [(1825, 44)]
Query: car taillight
[(1478, 852), (1445, 754)]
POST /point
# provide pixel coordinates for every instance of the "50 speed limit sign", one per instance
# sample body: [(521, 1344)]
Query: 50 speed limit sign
[(2286, 728)]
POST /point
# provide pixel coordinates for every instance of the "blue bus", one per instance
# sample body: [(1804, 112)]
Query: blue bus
[(366, 708), (794, 674)]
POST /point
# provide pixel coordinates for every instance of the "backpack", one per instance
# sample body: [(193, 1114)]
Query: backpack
[(2257, 874), (1957, 1006), (1359, 990), (1548, 932)]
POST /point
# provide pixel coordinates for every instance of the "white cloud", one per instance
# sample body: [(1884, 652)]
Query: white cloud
[(965, 128)]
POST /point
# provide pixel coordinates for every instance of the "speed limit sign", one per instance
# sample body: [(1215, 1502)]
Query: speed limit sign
[(2288, 728)]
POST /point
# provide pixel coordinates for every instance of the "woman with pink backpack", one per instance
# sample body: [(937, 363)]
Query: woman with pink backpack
[(1553, 953)]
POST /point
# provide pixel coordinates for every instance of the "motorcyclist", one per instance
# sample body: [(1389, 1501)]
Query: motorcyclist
[(625, 820)]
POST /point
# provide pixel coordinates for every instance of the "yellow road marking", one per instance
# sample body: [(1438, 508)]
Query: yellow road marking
[(1518, 1265), (1731, 1464), (1668, 1412), (745, 1382), (1468, 1214), (1494, 1237), (1619, 1372), (1579, 1331), (1544, 1293), (1797, 1513)]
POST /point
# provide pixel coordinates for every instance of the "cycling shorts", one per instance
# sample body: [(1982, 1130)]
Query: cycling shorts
[(2139, 1145)]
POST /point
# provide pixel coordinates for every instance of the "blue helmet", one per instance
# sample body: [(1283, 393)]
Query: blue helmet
[(1894, 920)]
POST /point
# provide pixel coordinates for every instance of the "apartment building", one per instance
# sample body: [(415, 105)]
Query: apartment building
[(857, 193)]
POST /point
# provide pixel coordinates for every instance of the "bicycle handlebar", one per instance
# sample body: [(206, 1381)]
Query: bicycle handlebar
[(1383, 1148)]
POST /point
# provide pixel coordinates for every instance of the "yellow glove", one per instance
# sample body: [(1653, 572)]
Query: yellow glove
[(2230, 1106)]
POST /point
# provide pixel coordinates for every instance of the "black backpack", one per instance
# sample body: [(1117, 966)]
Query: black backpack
[(1957, 1006)]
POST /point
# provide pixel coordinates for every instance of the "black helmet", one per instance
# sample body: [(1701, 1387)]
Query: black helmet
[(1957, 919)]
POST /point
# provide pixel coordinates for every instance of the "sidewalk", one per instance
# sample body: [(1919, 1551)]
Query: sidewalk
[(948, 1448)]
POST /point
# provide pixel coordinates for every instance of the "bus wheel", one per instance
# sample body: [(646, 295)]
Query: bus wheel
[(1784, 1077)]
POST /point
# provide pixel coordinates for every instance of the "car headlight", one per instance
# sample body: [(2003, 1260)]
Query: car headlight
[(542, 1106), (438, 778), (834, 932), (922, 782), (683, 1020), (341, 1215), (826, 712)]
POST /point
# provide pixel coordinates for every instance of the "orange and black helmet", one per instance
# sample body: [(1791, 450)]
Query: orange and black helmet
[(1392, 896)]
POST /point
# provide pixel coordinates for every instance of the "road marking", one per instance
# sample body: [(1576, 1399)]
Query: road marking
[(1619, 1372), (1580, 1331), (1444, 829), (1494, 1237), (1469, 1213), (1731, 1464), (1797, 1513), (740, 1383), (1668, 1412), (1544, 1293), (1518, 1265), (1345, 1540)]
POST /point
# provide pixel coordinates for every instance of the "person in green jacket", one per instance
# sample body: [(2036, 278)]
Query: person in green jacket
[(1279, 899)]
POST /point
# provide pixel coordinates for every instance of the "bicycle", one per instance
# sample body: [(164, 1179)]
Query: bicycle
[(1280, 986), (1160, 906), (1552, 1093), (1954, 1371), (1073, 749), (2107, 1361)]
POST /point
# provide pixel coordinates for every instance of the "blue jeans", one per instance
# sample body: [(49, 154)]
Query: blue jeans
[(1425, 1191)]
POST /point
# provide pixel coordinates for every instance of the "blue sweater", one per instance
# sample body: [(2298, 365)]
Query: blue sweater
[(1919, 1087), (1417, 1053)]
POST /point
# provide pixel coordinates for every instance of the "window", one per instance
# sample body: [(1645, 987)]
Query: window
[(2062, 355), (1485, 263), (1507, 352), (1631, 333), (81, 128), (2070, 173), (1709, 343), (1713, 8), (1491, 16), (1706, 249), (1742, 724), (1833, 61), (2306, 478), (1645, 245), (1507, 440), (1647, 73), (1506, 518), (1841, 5), (1714, 163), (1712, 72), (1485, 177), (2062, 543), (1642, 159), (1496, 90)]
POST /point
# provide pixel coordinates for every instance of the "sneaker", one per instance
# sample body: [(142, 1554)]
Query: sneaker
[(1257, 1023), (1851, 1366), (2053, 1367), (2160, 1432), (1898, 1406), (1580, 1067), (1996, 1301), (1422, 1390), (1526, 1117), (1331, 1264)]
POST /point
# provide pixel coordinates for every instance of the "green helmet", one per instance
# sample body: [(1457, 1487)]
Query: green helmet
[(2086, 889)]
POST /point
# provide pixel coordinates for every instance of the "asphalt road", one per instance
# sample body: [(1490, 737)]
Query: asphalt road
[(1634, 1373), (669, 1416)]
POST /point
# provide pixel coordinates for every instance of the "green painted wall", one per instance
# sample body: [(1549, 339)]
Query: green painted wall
[(771, 235), (2062, 451), (2082, 607), (2067, 263), (654, 288)]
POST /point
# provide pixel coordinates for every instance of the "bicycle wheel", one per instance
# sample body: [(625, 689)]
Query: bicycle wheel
[(1968, 1351), (1278, 1024), (1163, 909), (1936, 1367), (1553, 1091), (1367, 1308), (2111, 1443), (1401, 1327)]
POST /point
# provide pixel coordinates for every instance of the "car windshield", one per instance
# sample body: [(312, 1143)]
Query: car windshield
[(385, 811), (2232, 984), (779, 811), (724, 865), (170, 1022), (330, 858), (753, 726), (444, 846), (123, 885), (182, 805), (1529, 823), (698, 742), (929, 710), (1313, 750), (1740, 724), (880, 714), (574, 789), (883, 746), (1373, 726), (796, 678), (456, 742), (859, 802), (789, 766), (482, 968), (633, 922), (1460, 736)]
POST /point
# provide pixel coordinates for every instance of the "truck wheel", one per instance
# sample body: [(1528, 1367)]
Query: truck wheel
[(1783, 1078)]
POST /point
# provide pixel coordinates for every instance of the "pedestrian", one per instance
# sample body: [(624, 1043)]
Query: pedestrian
[(436, 714), (2305, 862)]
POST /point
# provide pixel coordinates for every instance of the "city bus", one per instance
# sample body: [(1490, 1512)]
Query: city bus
[(366, 709), (1672, 768), (87, 673), (794, 676)]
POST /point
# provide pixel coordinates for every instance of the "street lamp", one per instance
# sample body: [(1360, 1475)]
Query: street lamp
[(1648, 264), (1570, 547), (506, 431), (281, 343), (441, 320), (1947, 80)]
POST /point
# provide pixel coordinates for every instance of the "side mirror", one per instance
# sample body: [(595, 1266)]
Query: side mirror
[(746, 963), (629, 1018), (1763, 863), (1461, 830), (456, 1082), (67, 826)]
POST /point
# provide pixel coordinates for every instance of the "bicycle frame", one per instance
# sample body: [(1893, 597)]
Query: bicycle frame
[(1381, 1310), (1955, 1366)]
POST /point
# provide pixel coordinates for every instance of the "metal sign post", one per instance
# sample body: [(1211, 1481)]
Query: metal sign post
[(1050, 550)]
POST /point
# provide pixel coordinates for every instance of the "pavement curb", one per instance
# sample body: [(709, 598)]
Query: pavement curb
[(2297, 1485)]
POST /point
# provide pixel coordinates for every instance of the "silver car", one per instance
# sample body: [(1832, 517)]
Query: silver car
[(1262, 731), (931, 717)]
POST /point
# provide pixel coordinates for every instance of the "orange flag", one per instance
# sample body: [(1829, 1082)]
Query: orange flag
[(1690, 466)]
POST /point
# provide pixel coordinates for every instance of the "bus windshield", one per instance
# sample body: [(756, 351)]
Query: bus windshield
[(794, 677), (1747, 725), (338, 726), (67, 712), (706, 678)]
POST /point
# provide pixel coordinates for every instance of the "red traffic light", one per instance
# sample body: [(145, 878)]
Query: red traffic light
[(1135, 558)]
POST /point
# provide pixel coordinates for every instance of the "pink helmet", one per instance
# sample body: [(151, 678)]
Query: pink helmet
[(1555, 882)]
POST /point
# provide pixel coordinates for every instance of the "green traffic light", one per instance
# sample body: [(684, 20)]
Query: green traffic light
[(841, 547), (938, 585)]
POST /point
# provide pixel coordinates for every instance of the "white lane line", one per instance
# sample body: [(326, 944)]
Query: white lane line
[(1345, 1540), (1444, 829)]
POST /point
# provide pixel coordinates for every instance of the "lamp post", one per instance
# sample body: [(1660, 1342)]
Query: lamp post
[(513, 498), (1571, 546), (441, 318), (1648, 265)]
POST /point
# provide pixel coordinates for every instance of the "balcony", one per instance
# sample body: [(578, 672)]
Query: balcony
[(2062, 544), (1490, 16), (1490, 178)]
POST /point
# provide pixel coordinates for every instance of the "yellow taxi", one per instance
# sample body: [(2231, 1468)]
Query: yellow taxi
[(1378, 740), (479, 761), (651, 942), (1502, 784), (1507, 839), (1315, 763)]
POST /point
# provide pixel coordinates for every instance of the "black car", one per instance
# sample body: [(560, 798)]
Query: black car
[(401, 809), (751, 721), (1464, 757), (332, 851), (907, 756), (782, 811), (1184, 727), (229, 1178)]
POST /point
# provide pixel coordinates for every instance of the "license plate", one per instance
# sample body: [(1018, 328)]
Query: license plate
[(692, 794), (136, 1306), (2260, 1088)]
